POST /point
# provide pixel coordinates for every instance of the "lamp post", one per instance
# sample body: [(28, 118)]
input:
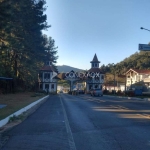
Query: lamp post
[(125, 78), (145, 29), (114, 76)]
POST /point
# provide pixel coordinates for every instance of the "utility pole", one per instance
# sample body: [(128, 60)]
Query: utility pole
[(114, 82), (114, 76), (144, 47)]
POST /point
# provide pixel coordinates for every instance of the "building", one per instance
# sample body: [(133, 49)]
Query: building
[(138, 79), (91, 79), (48, 78), (95, 77)]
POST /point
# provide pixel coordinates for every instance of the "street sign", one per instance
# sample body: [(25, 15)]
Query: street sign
[(144, 47)]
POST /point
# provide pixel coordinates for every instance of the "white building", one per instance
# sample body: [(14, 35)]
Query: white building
[(95, 77), (137, 78), (48, 78)]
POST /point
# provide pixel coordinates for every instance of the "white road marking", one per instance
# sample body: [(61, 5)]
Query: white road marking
[(69, 132)]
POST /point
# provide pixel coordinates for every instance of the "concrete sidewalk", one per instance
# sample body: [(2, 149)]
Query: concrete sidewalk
[(133, 98), (43, 130)]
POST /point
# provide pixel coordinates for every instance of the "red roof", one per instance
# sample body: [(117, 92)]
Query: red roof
[(95, 70), (61, 76), (122, 76), (47, 68), (139, 71)]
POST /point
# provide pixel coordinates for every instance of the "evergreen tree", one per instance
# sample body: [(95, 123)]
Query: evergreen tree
[(22, 45), (51, 51)]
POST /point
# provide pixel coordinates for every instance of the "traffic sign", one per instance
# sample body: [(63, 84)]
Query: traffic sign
[(144, 47)]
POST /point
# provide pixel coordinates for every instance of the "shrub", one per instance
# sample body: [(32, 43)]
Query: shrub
[(119, 92), (130, 93), (113, 91), (105, 91), (69, 92)]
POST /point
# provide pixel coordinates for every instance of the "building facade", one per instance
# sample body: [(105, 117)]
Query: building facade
[(138, 79), (95, 77), (87, 80), (47, 78)]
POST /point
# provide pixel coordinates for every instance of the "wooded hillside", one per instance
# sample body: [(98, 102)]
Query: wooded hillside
[(139, 60), (23, 47)]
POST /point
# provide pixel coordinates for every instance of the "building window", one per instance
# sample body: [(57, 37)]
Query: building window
[(90, 87), (46, 86), (47, 63), (96, 86), (100, 87), (102, 77), (52, 86), (128, 76), (95, 65), (46, 75)]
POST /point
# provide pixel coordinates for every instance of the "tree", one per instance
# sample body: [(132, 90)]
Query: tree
[(51, 50), (21, 40)]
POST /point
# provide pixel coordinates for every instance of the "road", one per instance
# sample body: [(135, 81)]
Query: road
[(67, 122)]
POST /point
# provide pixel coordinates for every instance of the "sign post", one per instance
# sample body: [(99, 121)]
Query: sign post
[(144, 47)]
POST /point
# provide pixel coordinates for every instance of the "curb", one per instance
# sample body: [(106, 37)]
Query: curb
[(19, 112), (26, 111)]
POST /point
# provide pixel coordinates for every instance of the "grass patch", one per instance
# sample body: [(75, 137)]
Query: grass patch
[(17, 101)]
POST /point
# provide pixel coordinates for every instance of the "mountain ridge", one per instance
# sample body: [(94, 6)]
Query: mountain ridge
[(66, 68)]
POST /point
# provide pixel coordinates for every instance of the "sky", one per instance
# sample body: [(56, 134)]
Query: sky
[(109, 28)]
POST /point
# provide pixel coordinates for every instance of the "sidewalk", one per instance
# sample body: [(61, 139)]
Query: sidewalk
[(134, 98), (44, 129)]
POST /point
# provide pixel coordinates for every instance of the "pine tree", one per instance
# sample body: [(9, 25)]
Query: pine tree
[(51, 51), (21, 39)]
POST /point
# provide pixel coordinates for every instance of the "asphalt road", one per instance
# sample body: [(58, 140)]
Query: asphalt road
[(67, 122), (45, 129), (103, 123)]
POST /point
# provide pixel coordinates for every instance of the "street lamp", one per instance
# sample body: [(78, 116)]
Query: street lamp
[(114, 76), (125, 79), (145, 29)]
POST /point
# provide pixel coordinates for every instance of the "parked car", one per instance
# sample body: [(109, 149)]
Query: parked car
[(96, 92)]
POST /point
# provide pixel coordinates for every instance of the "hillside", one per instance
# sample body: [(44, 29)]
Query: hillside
[(138, 60), (65, 68)]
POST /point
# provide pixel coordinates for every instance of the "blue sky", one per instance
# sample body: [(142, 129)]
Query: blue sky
[(109, 28)]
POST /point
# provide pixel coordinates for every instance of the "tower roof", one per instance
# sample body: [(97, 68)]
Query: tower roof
[(95, 59)]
